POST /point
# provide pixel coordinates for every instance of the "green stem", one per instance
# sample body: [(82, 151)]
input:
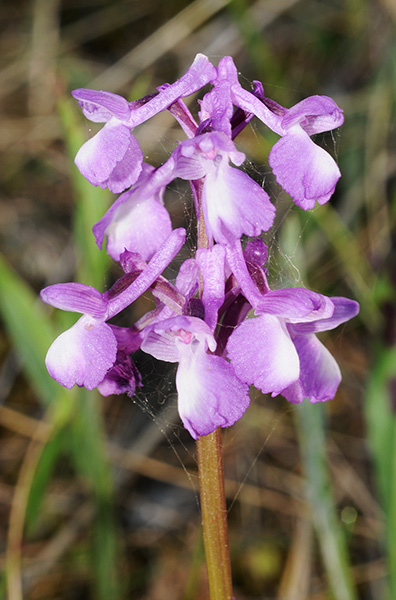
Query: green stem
[(214, 515)]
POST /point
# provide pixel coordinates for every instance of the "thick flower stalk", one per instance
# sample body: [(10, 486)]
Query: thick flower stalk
[(220, 321)]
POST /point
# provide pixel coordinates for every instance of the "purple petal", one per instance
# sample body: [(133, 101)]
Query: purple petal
[(344, 309), (199, 74), (139, 226), (250, 104), (118, 222), (209, 393), (212, 266), (237, 263), (157, 264), (83, 354), (295, 304), (187, 278), (234, 204), (166, 340), (75, 297), (99, 106), (314, 114), (304, 170), (256, 252), (262, 353), (122, 378), (112, 158), (319, 373)]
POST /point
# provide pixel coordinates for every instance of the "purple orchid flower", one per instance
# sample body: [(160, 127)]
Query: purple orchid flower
[(138, 221), (232, 203), (85, 353), (210, 395), (113, 158), (277, 350), (304, 170)]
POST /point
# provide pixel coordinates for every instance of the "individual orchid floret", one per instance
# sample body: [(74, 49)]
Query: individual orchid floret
[(277, 350), (84, 353), (138, 220), (232, 203), (304, 170), (209, 393), (113, 158)]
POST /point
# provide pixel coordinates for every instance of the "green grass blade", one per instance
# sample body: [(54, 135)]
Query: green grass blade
[(29, 329), (381, 428), (331, 538)]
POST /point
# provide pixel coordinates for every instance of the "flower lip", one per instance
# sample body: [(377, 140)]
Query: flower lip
[(93, 100)]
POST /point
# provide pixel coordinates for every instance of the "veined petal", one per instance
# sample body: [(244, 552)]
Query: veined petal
[(295, 304), (139, 226), (304, 170), (75, 297), (157, 264), (210, 395), (83, 354), (262, 354), (314, 114), (187, 278), (344, 309), (122, 222), (319, 372), (111, 158), (197, 75), (234, 204), (212, 266), (100, 106)]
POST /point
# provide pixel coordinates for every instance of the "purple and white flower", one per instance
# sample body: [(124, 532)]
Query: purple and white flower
[(277, 350), (85, 353)]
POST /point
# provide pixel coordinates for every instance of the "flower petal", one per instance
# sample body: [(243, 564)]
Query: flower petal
[(314, 114), (212, 266), (83, 354), (75, 297), (295, 304), (319, 372), (234, 204), (139, 226), (210, 394), (111, 158), (344, 309), (304, 170), (122, 378), (166, 339), (263, 354), (197, 75), (99, 106)]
